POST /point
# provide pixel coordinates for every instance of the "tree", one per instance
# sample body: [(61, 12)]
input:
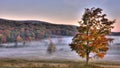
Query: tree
[(23, 35), (14, 34), (51, 48), (91, 37)]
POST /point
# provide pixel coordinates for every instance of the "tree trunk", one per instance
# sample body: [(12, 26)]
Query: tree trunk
[(87, 58), (16, 43), (24, 43)]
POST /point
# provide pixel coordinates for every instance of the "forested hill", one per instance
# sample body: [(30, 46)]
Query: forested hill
[(11, 30)]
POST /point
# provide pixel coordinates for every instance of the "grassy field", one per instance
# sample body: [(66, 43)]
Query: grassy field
[(21, 63)]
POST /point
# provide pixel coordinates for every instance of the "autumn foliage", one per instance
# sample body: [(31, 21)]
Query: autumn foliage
[(91, 37), (23, 31)]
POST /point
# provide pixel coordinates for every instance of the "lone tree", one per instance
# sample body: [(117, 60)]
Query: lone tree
[(52, 47), (91, 37)]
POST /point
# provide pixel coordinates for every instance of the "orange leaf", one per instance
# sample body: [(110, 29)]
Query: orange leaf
[(101, 55)]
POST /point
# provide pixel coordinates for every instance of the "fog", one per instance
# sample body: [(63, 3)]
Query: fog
[(37, 50)]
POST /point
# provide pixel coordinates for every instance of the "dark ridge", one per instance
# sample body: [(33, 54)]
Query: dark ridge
[(37, 28), (115, 34)]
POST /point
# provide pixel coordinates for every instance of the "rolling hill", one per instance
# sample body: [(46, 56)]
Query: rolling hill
[(11, 30)]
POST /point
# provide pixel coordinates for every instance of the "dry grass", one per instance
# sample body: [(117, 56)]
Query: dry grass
[(21, 63)]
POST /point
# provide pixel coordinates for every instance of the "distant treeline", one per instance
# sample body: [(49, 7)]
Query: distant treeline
[(115, 34), (11, 31)]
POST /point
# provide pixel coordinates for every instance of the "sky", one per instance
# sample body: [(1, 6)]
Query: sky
[(57, 11)]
